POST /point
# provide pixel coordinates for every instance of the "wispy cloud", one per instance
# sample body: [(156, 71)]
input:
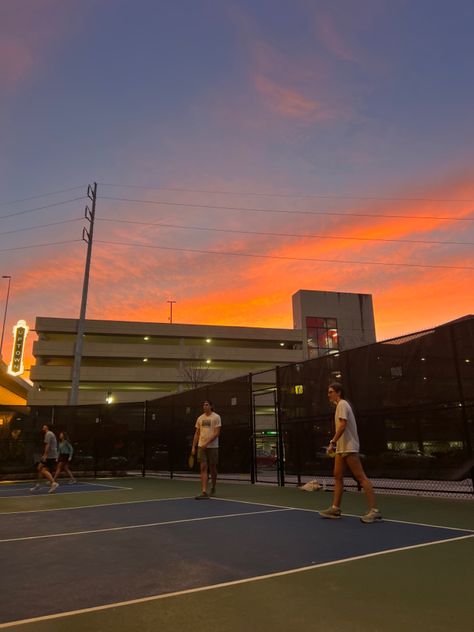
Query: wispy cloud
[(289, 102)]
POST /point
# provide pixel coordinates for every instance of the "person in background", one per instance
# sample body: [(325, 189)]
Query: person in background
[(65, 452), (206, 438), (47, 463), (345, 444)]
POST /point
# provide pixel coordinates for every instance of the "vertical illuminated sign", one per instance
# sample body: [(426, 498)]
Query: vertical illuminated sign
[(20, 331)]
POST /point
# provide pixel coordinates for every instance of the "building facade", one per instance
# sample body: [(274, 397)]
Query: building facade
[(136, 361)]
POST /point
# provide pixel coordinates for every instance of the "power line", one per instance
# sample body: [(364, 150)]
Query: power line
[(260, 256), (290, 195), (42, 195), (53, 243), (289, 212), (41, 208), (20, 230), (267, 234)]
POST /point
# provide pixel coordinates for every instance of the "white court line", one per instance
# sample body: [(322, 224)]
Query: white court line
[(100, 484), (84, 491), (229, 500), (141, 526), (418, 524), (236, 582), (127, 502)]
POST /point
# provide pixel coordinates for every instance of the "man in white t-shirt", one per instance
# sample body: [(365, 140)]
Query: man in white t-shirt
[(206, 438), (48, 460), (344, 446)]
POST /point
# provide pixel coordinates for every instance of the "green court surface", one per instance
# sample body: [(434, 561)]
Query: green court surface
[(426, 587)]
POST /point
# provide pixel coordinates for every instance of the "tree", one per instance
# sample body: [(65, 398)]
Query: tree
[(195, 370)]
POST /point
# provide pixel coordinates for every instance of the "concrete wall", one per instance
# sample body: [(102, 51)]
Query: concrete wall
[(354, 314)]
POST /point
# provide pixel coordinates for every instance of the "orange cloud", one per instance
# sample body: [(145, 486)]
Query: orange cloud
[(134, 283)]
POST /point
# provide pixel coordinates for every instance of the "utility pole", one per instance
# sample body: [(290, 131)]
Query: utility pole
[(87, 236), (5, 276), (171, 310)]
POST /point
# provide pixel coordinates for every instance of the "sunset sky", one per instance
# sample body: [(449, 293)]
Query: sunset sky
[(276, 145)]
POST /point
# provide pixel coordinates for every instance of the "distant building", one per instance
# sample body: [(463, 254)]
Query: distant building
[(333, 321), (13, 390), (136, 361)]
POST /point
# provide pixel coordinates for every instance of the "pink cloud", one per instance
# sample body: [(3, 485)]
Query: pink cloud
[(290, 102), (16, 60)]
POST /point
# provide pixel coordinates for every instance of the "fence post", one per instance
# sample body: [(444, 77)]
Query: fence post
[(281, 451), (252, 430), (145, 417)]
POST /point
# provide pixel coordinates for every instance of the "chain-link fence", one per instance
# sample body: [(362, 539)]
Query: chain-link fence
[(413, 397), (414, 402)]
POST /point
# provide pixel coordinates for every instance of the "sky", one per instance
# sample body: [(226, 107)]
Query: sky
[(242, 150)]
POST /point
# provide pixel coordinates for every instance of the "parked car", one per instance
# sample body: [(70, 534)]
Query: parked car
[(413, 454), (266, 459)]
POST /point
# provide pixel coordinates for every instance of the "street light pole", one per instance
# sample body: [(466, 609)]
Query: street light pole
[(5, 276), (171, 310)]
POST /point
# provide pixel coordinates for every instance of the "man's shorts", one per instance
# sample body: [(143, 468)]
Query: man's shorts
[(208, 455), (49, 464)]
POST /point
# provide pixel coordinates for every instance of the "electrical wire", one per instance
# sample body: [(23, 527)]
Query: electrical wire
[(20, 230), (283, 258), (42, 208), (267, 234), (42, 195), (53, 243), (290, 212), (289, 195)]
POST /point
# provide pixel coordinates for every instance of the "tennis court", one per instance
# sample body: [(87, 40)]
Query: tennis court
[(148, 556)]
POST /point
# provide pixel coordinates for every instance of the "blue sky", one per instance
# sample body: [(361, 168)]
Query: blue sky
[(369, 103)]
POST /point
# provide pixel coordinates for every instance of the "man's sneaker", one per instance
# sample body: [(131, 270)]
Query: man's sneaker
[(333, 512), (213, 491), (53, 488), (202, 496), (35, 488), (72, 481), (373, 515)]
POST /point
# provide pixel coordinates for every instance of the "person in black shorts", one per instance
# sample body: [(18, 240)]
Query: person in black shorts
[(48, 460)]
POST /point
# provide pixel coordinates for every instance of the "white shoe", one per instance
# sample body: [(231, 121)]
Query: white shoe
[(35, 488), (54, 486), (72, 481)]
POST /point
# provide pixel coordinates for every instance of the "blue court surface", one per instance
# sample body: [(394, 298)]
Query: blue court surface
[(17, 490), (66, 560)]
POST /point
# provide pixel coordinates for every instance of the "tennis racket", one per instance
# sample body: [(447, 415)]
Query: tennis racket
[(191, 461)]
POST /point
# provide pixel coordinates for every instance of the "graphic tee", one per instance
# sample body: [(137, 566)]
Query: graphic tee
[(207, 425)]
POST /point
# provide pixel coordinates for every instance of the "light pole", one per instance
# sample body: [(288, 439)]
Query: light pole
[(5, 276), (171, 310)]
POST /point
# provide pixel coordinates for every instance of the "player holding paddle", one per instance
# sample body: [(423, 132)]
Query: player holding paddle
[(206, 438), (345, 445)]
